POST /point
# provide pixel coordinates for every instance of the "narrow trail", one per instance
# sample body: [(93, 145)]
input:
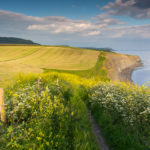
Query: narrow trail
[(97, 132)]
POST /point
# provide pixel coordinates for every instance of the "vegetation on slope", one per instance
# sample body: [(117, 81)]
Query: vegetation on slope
[(34, 59), (57, 118), (122, 112), (8, 53), (64, 58), (98, 72), (13, 40)]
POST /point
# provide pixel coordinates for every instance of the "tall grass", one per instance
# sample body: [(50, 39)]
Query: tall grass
[(56, 119), (122, 111)]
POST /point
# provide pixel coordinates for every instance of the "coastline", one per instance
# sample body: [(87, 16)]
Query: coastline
[(121, 66)]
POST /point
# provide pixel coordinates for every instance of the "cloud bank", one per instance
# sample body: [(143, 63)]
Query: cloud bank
[(59, 29), (139, 9), (16, 22)]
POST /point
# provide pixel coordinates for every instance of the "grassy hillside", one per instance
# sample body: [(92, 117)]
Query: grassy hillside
[(8, 53), (53, 115), (34, 59)]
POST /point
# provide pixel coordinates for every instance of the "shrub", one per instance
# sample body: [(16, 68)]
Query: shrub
[(122, 110)]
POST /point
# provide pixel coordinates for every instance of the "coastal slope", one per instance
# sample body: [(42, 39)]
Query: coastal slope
[(120, 66), (37, 58)]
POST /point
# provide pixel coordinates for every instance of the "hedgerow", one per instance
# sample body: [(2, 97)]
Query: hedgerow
[(49, 120), (123, 112), (56, 117)]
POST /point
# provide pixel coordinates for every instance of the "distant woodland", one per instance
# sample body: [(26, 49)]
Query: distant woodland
[(13, 40)]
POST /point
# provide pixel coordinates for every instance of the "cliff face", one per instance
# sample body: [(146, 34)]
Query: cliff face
[(120, 66)]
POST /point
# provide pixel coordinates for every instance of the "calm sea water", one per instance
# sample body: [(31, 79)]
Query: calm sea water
[(141, 75)]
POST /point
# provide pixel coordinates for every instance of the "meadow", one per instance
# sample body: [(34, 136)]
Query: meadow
[(35, 59), (55, 116)]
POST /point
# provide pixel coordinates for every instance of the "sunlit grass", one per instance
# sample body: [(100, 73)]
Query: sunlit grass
[(25, 59)]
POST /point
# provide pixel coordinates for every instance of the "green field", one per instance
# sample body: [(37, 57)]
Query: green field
[(25, 59), (36, 57), (9, 53)]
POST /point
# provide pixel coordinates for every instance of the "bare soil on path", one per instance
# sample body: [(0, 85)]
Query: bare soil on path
[(97, 132)]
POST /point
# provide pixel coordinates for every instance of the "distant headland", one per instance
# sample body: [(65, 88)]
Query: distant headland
[(14, 40)]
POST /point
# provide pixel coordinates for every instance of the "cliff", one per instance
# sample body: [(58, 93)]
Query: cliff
[(120, 66)]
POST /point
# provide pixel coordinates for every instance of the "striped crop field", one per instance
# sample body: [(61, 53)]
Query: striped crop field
[(14, 59)]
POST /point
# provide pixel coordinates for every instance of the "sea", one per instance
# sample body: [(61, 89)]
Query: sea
[(141, 75)]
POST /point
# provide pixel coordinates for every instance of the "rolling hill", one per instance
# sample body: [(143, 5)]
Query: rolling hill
[(36, 58), (13, 40), (83, 62)]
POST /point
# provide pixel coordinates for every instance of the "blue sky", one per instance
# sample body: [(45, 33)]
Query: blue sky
[(119, 24), (74, 9)]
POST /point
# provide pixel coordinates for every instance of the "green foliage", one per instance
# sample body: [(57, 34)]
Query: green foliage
[(55, 116), (55, 119), (13, 40), (122, 112), (98, 72)]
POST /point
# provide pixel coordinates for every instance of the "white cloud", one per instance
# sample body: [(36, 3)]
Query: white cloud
[(93, 33), (21, 23), (12, 15), (106, 19), (56, 29), (129, 32), (71, 27)]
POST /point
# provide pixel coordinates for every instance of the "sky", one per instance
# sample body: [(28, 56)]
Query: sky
[(117, 24)]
